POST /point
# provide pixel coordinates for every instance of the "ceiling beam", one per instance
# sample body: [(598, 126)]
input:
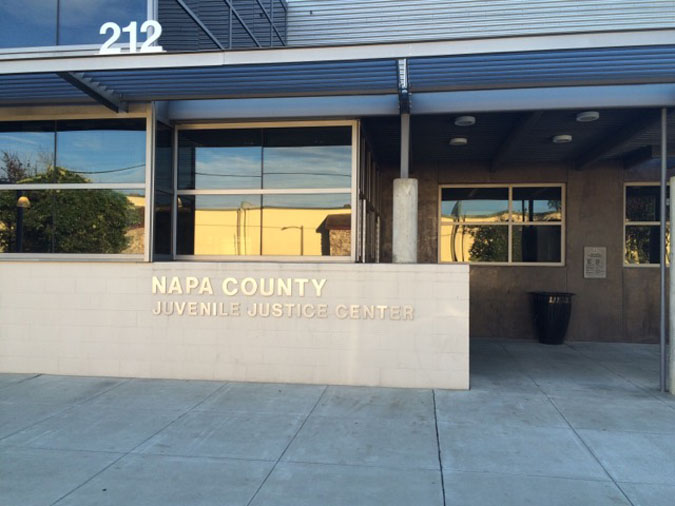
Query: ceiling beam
[(94, 90), (514, 139), (637, 156), (634, 126)]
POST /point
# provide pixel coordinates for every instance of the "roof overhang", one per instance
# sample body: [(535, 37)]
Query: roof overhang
[(476, 66)]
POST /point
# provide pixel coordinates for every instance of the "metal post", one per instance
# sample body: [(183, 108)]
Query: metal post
[(671, 361), (405, 145), (662, 285)]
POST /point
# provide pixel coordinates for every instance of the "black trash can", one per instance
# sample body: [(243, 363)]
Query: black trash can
[(551, 315)]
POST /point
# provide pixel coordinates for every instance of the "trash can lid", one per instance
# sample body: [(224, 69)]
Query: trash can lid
[(553, 294)]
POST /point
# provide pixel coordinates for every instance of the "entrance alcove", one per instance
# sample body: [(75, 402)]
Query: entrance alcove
[(602, 164)]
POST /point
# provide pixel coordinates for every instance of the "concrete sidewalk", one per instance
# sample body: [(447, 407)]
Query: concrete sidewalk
[(579, 424)]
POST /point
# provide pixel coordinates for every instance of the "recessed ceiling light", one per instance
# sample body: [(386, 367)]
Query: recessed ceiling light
[(562, 139), (465, 121), (586, 116), (459, 141)]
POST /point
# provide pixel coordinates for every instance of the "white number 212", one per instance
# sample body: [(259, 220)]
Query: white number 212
[(151, 26)]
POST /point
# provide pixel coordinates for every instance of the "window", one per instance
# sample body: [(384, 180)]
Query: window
[(642, 224), (162, 230), (514, 224), (36, 23), (73, 187), (282, 192)]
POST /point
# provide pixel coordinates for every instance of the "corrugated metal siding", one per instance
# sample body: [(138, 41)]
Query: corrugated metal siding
[(322, 22), (629, 65), (181, 33)]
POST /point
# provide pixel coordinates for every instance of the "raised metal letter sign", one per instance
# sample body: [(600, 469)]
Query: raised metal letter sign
[(151, 27)]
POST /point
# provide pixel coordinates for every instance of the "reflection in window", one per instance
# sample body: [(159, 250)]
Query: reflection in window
[(307, 158), (484, 205), (219, 225), (269, 158), (35, 23), (163, 235), (28, 23), (220, 159), (643, 244), (284, 167), (642, 225), (163, 203), (26, 150), (466, 243), (79, 21), (91, 151), (643, 203), (480, 224), (163, 157), (536, 244), (102, 151), (72, 221), (307, 225), (541, 203)]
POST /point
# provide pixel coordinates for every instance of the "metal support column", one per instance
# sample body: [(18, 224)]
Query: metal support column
[(405, 145), (662, 284)]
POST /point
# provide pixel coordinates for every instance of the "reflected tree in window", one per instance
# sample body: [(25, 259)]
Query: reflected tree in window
[(490, 244), (63, 221)]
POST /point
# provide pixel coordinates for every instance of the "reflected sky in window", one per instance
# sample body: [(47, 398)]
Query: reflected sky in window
[(25, 154), (537, 204), (80, 20), (26, 23), (103, 156), (320, 201), (475, 204), (227, 168), (307, 167)]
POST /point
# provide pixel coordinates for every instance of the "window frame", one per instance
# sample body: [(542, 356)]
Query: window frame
[(509, 223), (352, 191), (626, 223), (143, 112)]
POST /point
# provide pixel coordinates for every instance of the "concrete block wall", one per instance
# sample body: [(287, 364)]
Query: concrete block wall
[(97, 319)]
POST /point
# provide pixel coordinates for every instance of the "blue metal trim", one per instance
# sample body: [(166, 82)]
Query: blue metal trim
[(618, 65)]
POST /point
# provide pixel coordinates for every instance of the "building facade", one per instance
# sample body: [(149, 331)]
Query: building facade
[(325, 192)]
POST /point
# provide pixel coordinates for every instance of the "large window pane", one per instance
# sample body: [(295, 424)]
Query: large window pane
[(467, 243), (222, 159), (219, 225), (28, 23), (307, 225), (72, 221), (26, 152), (307, 158), (100, 151), (536, 243), (643, 244), (477, 205), (80, 20), (643, 202), (537, 204)]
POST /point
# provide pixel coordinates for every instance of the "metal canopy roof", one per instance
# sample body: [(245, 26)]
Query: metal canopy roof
[(619, 65), (291, 79), (366, 76)]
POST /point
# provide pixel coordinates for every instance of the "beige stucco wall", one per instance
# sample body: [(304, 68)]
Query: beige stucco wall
[(97, 319), (622, 307)]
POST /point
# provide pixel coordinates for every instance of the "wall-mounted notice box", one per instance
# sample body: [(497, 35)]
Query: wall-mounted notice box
[(595, 262)]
